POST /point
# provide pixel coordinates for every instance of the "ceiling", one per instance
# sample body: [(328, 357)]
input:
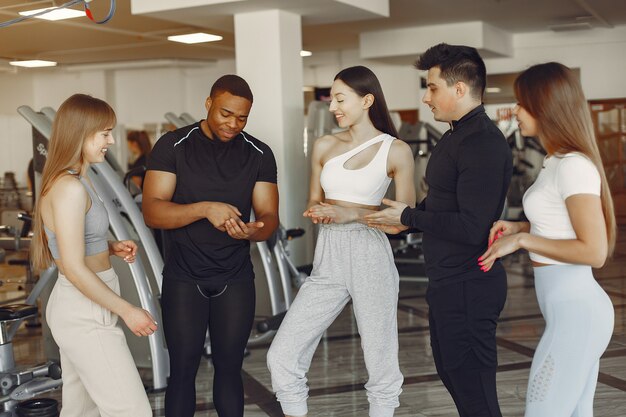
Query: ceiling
[(129, 37)]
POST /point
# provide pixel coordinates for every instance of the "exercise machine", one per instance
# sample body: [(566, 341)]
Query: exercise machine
[(18, 383)]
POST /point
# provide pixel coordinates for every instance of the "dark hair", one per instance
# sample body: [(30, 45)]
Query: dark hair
[(232, 84), (363, 81), (552, 94), (141, 138), (456, 63)]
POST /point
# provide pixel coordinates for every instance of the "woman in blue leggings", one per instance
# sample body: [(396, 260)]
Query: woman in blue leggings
[(571, 229)]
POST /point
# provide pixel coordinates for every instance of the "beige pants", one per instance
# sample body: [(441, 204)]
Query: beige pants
[(99, 375)]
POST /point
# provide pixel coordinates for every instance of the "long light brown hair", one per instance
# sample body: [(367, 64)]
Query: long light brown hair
[(553, 95), (78, 118)]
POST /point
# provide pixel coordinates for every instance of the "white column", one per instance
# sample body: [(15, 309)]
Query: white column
[(268, 45)]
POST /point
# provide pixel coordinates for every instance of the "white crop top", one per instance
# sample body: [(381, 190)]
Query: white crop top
[(544, 203), (366, 185)]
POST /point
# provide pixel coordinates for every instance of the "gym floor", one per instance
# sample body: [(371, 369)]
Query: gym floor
[(337, 373)]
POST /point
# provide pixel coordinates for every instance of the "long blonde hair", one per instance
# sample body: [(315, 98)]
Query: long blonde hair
[(78, 118), (553, 95)]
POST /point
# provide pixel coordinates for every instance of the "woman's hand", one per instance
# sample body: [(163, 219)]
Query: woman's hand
[(125, 249), (504, 228), (139, 321), (501, 247), (330, 213)]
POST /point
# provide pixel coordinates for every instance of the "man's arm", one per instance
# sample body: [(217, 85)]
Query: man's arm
[(265, 205), (160, 212), (480, 189)]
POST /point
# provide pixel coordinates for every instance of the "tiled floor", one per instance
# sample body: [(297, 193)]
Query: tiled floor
[(337, 374)]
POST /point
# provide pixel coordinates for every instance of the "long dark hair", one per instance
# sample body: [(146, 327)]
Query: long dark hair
[(553, 95), (363, 81)]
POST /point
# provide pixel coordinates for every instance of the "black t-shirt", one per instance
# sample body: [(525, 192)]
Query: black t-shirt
[(211, 170), (468, 175)]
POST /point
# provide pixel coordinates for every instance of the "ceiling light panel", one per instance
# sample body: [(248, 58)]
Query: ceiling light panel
[(195, 38), (34, 63), (54, 14)]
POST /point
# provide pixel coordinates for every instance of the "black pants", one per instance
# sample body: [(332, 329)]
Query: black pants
[(463, 318), (229, 314)]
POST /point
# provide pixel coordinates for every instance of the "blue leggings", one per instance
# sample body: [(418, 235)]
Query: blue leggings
[(579, 324)]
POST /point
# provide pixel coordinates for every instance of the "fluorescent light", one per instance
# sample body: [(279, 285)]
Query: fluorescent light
[(493, 89), (33, 63), (54, 14), (194, 38), (306, 53)]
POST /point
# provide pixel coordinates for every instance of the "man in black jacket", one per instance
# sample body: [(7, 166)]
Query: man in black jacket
[(468, 175)]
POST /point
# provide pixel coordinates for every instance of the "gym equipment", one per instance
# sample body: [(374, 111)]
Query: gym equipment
[(21, 383), (290, 275), (125, 220)]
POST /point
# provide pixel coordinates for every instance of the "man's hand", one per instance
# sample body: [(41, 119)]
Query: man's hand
[(387, 217), (125, 249), (218, 213), (237, 229)]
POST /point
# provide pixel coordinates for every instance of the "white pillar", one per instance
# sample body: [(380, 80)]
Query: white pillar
[(268, 45)]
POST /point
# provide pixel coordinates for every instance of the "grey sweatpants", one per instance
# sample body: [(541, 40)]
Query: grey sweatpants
[(352, 261)]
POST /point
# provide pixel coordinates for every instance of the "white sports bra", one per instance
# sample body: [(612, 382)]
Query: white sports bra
[(366, 185)]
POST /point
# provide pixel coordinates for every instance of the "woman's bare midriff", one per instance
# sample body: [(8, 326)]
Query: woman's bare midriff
[(97, 263), (349, 204)]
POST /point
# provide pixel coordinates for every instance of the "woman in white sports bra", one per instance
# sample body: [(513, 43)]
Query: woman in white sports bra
[(571, 229), (71, 225), (350, 175)]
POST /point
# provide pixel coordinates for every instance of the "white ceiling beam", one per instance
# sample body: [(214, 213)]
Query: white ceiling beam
[(404, 45)]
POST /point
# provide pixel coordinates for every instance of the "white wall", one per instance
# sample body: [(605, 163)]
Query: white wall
[(198, 82), (600, 54), (15, 146), (138, 97), (400, 82)]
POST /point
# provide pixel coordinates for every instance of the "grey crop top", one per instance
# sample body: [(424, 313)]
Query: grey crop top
[(96, 227)]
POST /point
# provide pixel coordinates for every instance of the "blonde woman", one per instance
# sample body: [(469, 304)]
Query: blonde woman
[(71, 224), (571, 229)]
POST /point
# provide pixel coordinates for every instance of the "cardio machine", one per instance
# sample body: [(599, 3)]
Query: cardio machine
[(18, 383)]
